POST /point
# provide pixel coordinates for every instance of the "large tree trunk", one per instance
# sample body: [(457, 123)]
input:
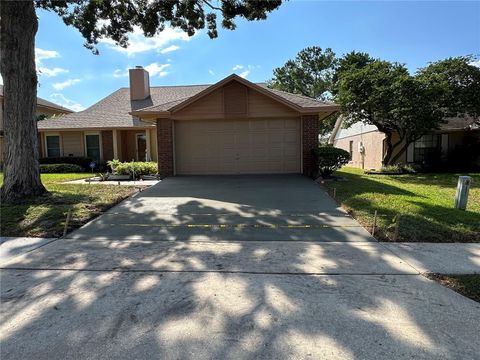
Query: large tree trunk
[(18, 26)]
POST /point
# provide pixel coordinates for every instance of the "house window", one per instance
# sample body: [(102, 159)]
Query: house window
[(425, 148), (53, 145), (350, 149), (92, 146)]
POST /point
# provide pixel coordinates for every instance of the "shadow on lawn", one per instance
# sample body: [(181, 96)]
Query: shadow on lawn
[(220, 300), (45, 216), (429, 222)]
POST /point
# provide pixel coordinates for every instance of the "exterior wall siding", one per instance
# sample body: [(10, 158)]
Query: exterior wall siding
[(373, 144), (165, 147), (309, 143)]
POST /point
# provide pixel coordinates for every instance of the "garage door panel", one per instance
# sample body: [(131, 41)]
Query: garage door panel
[(237, 146)]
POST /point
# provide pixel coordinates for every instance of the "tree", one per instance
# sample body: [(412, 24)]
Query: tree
[(402, 106), (309, 74), (459, 81), (113, 19)]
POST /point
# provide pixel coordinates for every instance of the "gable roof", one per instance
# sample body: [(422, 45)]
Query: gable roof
[(118, 111), (46, 104), (296, 102)]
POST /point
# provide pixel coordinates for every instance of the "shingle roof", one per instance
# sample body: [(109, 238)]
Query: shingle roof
[(45, 103), (113, 111), (459, 123)]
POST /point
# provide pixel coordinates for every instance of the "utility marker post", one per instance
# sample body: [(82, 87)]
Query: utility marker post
[(461, 196)]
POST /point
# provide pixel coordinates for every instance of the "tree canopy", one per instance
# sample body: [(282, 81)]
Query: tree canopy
[(114, 19), (404, 106), (310, 74), (95, 20)]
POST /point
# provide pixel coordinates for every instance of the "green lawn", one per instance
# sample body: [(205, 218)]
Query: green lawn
[(45, 216), (424, 201), (467, 285)]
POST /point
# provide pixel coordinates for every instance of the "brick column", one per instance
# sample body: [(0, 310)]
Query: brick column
[(310, 142), (107, 145), (165, 147)]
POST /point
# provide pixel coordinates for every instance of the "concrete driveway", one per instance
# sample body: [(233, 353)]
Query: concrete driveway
[(251, 267)]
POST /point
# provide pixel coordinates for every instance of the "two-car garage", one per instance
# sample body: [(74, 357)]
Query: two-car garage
[(237, 146)]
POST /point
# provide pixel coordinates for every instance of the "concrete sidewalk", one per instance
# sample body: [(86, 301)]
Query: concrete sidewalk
[(448, 258)]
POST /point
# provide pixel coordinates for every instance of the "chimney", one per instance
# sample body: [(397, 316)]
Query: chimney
[(139, 83)]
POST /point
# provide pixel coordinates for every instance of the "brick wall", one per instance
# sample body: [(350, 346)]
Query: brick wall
[(310, 142), (165, 147), (107, 144)]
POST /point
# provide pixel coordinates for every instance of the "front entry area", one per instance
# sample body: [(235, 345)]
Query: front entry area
[(237, 146)]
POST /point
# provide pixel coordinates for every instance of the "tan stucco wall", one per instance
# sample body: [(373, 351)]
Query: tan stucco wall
[(373, 143)]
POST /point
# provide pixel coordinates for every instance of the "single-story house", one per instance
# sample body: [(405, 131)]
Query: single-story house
[(45, 108), (441, 148), (231, 127)]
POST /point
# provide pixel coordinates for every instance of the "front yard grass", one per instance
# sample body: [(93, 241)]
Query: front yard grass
[(45, 216), (423, 201), (467, 285)]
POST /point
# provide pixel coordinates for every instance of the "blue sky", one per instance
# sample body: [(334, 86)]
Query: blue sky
[(413, 33)]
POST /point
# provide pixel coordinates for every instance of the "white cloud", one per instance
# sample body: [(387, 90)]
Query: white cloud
[(211, 72), (244, 74), (138, 43), (51, 72), (63, 101), (170, 49), (119, 73), (247, 69), (65, 84), (155, 69), (41, 54)]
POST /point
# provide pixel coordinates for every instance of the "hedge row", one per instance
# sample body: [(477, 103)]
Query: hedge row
[(136, 168), (60, 168)]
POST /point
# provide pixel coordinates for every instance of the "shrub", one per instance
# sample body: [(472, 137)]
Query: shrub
[(113, 164), (140, 168), (330, 158), (84, 162), (398, 169), (60, 168)]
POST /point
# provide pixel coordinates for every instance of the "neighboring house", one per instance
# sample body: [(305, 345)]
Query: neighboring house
[(366, 144), (231, 127), (44, 108)]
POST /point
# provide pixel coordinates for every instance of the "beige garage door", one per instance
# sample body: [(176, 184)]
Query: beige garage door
[(252, 146)]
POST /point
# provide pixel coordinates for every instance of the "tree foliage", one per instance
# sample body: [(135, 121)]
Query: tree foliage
[(114, 19), (405, 106), (94, 19), (310, 74)]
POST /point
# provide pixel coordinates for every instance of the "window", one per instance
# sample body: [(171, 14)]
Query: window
[(92, 146), (350, 149), (53, 145), (426, 148)]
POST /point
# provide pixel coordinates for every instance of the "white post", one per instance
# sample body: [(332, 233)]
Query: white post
[(461, 196), (115, 144), (148, 155)]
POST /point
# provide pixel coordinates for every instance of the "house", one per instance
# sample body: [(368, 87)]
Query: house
[(451, 146), (44, 109), (231, 127)]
